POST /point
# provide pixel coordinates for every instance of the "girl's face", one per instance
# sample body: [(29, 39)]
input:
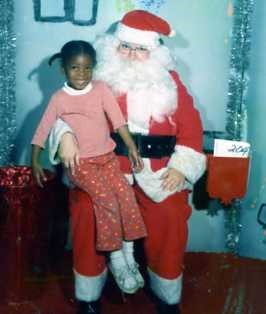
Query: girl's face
[(78, 71)]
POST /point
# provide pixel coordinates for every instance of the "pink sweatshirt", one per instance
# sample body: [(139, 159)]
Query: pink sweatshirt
[(87, 113)]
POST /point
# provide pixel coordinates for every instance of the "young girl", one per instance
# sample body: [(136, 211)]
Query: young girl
[(88, 106)]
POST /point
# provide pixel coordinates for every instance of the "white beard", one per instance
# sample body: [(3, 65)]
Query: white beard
[(151, 91)]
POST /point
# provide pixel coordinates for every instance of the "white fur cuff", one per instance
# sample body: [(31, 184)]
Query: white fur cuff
[(151, 184), (59, 129), (167, 290), (189, 162), (89, 288)]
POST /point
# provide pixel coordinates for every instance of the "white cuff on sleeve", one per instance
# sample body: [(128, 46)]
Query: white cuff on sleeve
[(151, 183), (189, 162), (59, 129)]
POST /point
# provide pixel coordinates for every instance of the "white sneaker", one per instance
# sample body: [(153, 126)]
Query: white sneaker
[(124, 278), (134, 269)]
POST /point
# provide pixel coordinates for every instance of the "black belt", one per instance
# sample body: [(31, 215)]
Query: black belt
[(149, 146)]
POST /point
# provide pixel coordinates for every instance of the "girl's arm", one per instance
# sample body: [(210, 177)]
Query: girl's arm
[(37, 170), (69, 151), (63, 146), (39, 139), (132, 149), (115, 115)]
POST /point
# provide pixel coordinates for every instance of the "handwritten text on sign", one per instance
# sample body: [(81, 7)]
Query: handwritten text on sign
[(226, 148)]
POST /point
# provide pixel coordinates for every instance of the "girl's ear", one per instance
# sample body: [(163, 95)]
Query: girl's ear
[(62, 70)]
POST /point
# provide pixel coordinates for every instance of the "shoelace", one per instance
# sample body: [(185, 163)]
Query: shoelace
[(122, 273), (134, 268), (91, 310)]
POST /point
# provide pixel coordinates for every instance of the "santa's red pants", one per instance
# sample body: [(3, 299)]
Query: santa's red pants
[(164, 247)]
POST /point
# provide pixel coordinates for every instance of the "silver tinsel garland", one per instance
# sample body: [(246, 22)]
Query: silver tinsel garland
[(239, 63), (236, 106), (7, 82)]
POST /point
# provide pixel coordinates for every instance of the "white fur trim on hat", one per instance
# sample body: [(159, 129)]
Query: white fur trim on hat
[(172, 33), (132, 35)]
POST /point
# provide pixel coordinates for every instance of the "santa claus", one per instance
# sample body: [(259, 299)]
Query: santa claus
[(167, 129)]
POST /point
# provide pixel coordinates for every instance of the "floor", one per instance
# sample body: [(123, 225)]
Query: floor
[(213, 284)]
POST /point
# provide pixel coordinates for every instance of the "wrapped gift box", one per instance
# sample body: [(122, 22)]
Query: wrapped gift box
[(25, 212)]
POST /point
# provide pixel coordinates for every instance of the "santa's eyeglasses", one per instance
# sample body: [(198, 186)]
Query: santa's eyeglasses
[(126, 47)]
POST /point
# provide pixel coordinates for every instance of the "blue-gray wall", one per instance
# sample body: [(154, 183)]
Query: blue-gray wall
[(252, 233)]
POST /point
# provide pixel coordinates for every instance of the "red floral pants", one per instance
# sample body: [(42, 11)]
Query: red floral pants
[(116, 211)]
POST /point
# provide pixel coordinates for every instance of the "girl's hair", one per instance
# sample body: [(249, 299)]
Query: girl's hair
[(72, 49)]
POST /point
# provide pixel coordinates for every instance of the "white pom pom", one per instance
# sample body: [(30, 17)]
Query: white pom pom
[(172, 33)]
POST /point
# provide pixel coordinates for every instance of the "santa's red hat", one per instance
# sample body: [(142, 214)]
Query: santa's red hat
[(144, 28)]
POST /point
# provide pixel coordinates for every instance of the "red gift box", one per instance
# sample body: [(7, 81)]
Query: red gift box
[(227, 178), (25, 211)]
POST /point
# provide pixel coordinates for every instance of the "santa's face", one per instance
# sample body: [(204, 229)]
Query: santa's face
[(142, 74), (133, 51)]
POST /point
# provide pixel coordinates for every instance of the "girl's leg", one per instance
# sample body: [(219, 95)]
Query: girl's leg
[(119, 268), (128, 251), (133, 226), (132, 222), (90, 178)]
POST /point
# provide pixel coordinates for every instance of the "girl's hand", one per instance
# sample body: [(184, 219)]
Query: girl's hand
[(38, 174), (69, 151), (171, 179), (134, 157)]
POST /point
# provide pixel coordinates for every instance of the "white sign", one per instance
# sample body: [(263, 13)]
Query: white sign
[(227, 148)]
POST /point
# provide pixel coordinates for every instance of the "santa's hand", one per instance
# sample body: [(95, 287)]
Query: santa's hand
[(171, 179), (69, 151)]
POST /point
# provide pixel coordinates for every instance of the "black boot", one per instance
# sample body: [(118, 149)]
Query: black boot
[(88, 307), (164, 308)]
